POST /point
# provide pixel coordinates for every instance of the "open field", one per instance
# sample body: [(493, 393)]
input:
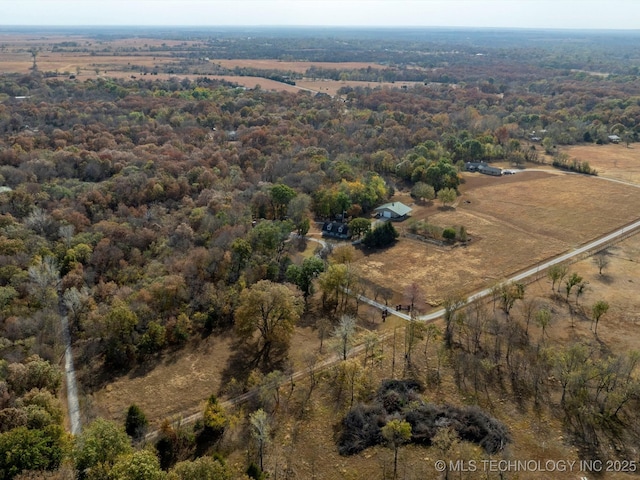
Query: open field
[(298, 67), (514, 222), (611, 161), (122, 58)]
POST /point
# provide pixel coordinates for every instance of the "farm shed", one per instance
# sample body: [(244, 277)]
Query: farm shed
[(614, 138), (393, 210), (336, 230)]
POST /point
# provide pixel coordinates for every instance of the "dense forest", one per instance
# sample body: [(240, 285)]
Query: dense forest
[(152, 211)]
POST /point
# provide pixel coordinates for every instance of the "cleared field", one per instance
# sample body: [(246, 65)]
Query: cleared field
[(121, 58), (514, 222), (612, 161), (298, 67)]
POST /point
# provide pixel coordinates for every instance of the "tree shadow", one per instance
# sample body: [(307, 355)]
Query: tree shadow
[(246, 358), (605, 278)]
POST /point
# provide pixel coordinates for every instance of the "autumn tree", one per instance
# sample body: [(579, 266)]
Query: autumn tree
[(281, 195), (573, 280), (543, 319), (509, 293), (203, 468), (118, 328), (359, 226), (452, 303), (350, 376), (556, 273), (334, 282), (414, 331), (597, 311), (272, 310), (298, 211), (444, 441), (78, 303), (422, 191), (99, 446), (23, 449), (139, 465), (447, 196), (396, 433), (303, 275), (214, 416), (44, 278)]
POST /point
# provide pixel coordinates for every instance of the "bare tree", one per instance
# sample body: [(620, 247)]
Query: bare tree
[(44, 278), (344, 333), (452, 303), (601, 260), (261, 431)]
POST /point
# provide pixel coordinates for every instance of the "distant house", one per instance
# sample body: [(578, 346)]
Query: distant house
[(614, 138), (393, 210), (473, 166), (487, 170), (336, 230), (482, 167)]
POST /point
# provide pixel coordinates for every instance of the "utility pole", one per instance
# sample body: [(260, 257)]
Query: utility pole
[(393, 360)]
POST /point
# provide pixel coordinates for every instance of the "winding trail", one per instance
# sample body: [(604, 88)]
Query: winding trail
[(70, 374)]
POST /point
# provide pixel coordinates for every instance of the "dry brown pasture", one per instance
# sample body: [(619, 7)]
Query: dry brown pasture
[(298, 67), (612, 160), (307, 444), (514, 222), (15, 57)]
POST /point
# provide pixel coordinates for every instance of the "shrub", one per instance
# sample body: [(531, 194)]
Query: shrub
[(136, 422), (381, 236), (449, 234), (400, 399)]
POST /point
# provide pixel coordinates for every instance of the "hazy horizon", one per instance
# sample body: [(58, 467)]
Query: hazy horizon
[(522, 14)]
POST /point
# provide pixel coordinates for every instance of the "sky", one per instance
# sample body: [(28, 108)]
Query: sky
[(573, 14)]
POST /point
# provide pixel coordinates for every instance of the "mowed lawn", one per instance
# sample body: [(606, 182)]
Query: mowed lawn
[(514, 222)]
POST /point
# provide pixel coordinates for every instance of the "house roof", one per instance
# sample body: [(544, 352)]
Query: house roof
[(397, 208), (336, 229)]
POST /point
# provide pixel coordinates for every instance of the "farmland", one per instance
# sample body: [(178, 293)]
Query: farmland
[(158, 199)]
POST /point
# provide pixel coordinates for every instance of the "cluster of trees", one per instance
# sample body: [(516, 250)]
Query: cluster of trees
[(151, 211), (32, 435), (562, 161), (597, 389), (428, 230)]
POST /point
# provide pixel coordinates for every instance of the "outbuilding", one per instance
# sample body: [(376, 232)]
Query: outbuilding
[(393, 210)]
